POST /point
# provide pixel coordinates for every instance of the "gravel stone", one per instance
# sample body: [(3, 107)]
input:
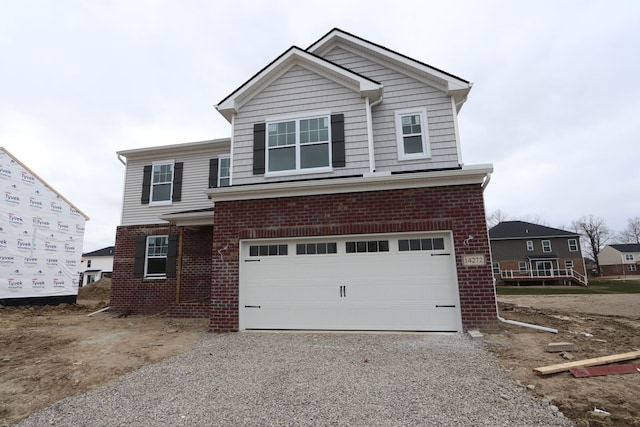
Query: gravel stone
[(329, 379)]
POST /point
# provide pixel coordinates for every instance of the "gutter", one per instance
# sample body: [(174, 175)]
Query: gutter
[(120, 157)]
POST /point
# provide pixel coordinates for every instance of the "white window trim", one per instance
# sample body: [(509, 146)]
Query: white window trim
[(146, 258), (568, 264), (173, 171), (529, 245), (576, 245), (426, 145), (495, 266), (297, 118), (546, 248), (522, 267), (220, 158)]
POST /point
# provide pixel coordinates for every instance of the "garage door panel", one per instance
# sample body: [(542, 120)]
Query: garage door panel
[(350, 291)]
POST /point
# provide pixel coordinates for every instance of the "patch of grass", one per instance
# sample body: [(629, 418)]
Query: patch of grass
[(596, 286)]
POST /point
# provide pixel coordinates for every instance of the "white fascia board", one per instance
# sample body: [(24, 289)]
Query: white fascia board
[(189, 219), (297, 56), (474, 174), (182, 148)]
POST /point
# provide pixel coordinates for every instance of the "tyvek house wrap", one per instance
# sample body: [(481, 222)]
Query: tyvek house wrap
[(41, 236)]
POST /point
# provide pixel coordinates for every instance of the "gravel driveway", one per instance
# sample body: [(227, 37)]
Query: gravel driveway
[(262, 378)]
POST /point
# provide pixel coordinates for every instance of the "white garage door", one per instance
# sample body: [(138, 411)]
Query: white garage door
[(376, 282)]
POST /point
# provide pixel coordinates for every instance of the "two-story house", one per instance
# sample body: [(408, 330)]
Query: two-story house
[(96, 265), (339, 202), (620, 260), (526, 253)]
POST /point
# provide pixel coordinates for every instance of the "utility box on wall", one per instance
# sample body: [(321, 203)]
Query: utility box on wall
[(41, 235)]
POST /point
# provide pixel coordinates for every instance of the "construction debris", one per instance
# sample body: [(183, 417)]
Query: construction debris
[(552, 369), (557, 347), (596, 371)]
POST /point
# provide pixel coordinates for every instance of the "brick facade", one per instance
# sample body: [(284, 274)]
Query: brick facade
[(186, 295), (458, 208)]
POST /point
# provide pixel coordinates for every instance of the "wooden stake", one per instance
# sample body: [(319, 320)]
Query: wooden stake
[(552, 369)]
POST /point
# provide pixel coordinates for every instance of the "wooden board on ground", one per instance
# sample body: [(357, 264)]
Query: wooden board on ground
[(552, 369)]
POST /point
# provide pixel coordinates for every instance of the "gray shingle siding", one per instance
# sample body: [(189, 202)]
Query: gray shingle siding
[(295, 92)]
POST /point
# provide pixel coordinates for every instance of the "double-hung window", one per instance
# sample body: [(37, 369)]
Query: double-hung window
[(299, 144), (412, 134), (224, 172), (546, 246), (573, 245), (156, 256), (161, 182), (529, 245)]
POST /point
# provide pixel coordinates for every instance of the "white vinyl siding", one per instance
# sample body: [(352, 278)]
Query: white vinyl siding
[(402, 92), (296, 93), (195, 181)]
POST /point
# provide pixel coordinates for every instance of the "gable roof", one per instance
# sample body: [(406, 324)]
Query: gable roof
[(108, 251), (25, 167), (296, 56), (626, 247), (521, 230), (451, 84)]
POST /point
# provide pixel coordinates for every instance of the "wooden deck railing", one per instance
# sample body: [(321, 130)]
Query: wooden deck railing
[(553, 274)]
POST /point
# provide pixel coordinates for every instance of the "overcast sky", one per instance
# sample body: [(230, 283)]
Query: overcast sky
[(555, 105)]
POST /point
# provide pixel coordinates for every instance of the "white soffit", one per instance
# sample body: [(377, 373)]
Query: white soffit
[(296, 56)]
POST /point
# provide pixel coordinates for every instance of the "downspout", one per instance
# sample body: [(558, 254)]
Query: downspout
[(495, 291), (179, 266), (369, 109)]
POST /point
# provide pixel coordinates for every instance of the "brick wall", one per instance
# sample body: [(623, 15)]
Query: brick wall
[(457, 208), (146, 296)]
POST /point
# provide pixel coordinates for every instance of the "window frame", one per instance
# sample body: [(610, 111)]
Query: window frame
[(628, 257), (495, 267), (424, 125), (220, 177), (522, 267), (530, 246), (162, 275), (573, 245), (546, 246), (153, 184), (568, 264), (298, 145)]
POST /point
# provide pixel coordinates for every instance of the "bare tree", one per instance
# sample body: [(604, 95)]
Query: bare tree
[(496, 217), (595, 234), (631, 234)]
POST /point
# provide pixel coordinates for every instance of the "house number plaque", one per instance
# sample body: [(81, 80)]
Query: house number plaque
[(477, 259)]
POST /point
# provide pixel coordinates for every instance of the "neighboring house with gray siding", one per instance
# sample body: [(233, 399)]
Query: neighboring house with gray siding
[(526, 253), (344, 203)]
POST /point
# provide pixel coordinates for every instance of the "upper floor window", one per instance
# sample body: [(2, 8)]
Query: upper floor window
[(88, 263), (573, 245), (156, 256), (298, 144), (224, 172), (530, 245), (546, 246), (628, 257), (161, 182), (495, 267), (411, 129)]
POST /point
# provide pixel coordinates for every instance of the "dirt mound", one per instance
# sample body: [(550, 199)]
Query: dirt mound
[(98, 290)]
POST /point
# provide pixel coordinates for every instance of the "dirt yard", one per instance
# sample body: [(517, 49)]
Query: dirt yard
[(597, 325), (48, 353)]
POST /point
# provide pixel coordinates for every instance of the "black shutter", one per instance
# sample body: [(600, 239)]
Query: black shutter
[(213, 173), (177, 182), (172, 255), (259, 134), (141, 248), (337, 141), (146, 185)]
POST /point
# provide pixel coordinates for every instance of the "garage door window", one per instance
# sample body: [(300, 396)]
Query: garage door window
[(316, 248), (268, 250), (435, 244), (364, 246)]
